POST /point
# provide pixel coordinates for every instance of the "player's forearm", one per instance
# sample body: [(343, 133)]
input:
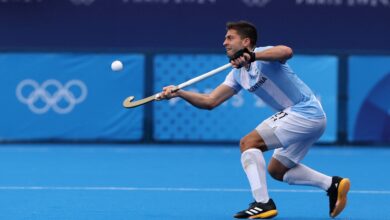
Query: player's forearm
[(198, 100), (277, 53)]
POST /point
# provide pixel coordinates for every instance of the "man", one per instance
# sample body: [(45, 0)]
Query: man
[(300, 120)]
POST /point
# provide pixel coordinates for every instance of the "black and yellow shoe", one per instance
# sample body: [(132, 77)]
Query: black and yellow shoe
[(337, 193), (259, 210)]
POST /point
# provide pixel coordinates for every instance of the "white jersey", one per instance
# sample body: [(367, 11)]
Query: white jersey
[(277, 85)]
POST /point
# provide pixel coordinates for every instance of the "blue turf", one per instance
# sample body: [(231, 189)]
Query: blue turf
[(180, 182)]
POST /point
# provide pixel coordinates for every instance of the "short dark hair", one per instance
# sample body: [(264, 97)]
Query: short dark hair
[(245, 29)]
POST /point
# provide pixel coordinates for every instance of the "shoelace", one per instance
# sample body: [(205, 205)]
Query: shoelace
[(252, 204)]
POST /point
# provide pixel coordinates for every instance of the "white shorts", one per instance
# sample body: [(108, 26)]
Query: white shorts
[(291, 135)]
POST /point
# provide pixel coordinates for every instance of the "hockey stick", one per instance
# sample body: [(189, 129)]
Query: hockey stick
[(129, 103)]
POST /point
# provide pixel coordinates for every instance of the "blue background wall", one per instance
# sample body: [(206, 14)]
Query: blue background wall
[(369, 102)]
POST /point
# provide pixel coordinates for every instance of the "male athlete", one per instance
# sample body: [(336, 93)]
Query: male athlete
[(299, 122)]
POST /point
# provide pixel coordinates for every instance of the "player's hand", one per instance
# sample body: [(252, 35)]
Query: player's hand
[(241, 61), (169, 92), (242, 58)]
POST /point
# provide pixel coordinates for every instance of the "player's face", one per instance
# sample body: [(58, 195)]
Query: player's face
[(233, 42)]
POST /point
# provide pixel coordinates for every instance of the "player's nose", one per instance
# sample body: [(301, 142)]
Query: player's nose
[(224, 43)]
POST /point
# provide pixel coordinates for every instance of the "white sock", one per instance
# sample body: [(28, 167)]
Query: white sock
[(303, 175), (253, 162)]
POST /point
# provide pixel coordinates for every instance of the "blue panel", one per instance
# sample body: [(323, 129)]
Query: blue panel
[(69, 96), (177, 120), (369, 103)]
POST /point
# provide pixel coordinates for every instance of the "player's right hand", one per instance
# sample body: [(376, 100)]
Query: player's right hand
[(242, 58), (240, 61), (169, 92)]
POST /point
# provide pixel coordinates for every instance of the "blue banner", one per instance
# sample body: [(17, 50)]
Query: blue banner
[(369, 102), (69, 96), (177, 120), (336, 25)]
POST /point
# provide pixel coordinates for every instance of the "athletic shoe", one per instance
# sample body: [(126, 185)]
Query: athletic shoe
[(259, 210), (337, 193)]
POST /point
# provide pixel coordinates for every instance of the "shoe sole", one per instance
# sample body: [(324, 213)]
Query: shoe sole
[(341, 197), (265, 215)]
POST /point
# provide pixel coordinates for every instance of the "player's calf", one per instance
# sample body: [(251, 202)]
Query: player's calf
[(276, 169)]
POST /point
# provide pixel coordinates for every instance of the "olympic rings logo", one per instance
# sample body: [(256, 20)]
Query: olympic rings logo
[(51, 94), (254, 3)]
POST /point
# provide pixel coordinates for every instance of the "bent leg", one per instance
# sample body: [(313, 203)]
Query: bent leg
[(285, 166), (253, 163), (297, 134)]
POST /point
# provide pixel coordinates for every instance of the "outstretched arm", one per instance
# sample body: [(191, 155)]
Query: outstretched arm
[(199, 100)]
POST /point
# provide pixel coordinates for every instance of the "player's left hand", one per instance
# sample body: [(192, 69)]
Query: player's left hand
[(169, 92)]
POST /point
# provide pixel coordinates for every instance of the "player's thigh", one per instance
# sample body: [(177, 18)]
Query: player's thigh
[(296, 135), (287, 128), (252, 140), (263, 137)]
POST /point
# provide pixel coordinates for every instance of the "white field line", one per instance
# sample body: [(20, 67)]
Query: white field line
[(178, 189)]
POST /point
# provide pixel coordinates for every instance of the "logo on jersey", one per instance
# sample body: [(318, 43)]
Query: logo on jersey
[(258, 84)]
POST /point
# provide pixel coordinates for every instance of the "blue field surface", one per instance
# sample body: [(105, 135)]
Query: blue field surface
[(175, 182)]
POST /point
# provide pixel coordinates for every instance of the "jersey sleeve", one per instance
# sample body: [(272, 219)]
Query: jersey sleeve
[(260, 63), (232, 82), (259, 49)]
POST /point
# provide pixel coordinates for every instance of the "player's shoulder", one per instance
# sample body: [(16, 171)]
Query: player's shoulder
[(234, 73)]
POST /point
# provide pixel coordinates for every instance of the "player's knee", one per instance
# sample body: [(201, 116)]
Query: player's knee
[(242, 145), (245, 144), (275, 173), (248, 143)]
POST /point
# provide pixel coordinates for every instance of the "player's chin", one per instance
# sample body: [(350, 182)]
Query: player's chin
[(229, 53)]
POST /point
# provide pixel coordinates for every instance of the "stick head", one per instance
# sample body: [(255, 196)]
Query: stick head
[(128, 100), (129, 103)]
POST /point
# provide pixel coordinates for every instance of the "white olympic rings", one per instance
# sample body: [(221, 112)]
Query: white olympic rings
[(51, 100)]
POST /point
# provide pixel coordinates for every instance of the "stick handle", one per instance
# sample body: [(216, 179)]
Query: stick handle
[(128, 102), (198, 78), (203, 76)]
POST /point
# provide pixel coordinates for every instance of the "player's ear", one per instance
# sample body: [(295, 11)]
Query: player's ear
[(246, 42)]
